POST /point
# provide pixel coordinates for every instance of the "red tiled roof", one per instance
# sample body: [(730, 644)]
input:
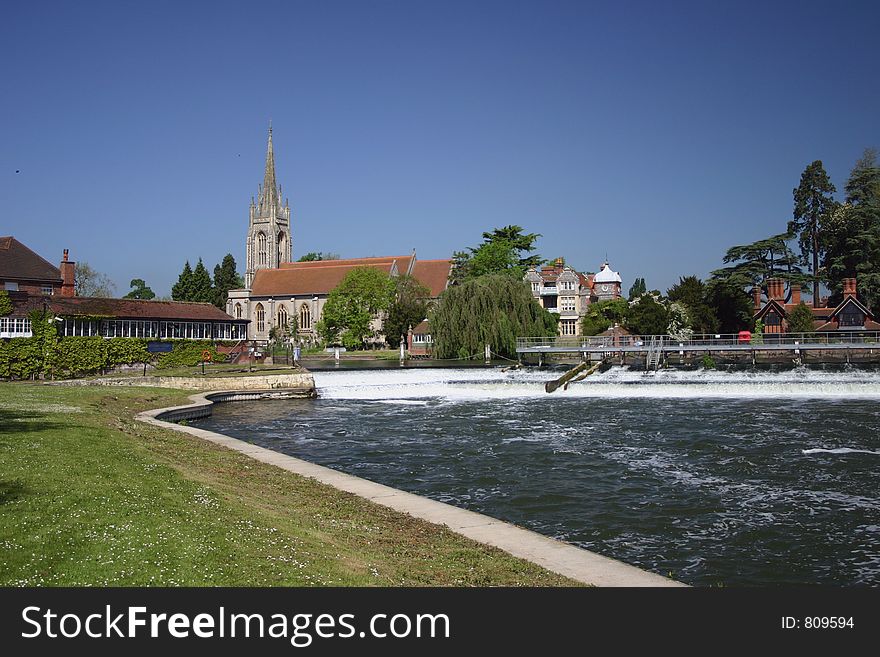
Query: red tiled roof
[(423, 328), (137, 309), (18, 262), (434, 274), (319, 277)]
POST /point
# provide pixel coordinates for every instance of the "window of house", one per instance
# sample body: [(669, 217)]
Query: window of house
[(536, 287), (46, 289), (851, 316), (567, 327), (11, 287), (238, 311), (260, 314), (567, 285), (567, 304), (772, 319)]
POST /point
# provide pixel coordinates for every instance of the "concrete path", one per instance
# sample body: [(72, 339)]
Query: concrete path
[(556, 556)]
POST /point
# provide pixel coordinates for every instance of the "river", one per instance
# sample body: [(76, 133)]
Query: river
[(713, 478)]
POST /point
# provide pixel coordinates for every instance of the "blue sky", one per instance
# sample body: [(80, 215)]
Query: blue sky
[(133, 133)]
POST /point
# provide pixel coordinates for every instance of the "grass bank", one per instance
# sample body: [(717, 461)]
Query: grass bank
[(89, 496)]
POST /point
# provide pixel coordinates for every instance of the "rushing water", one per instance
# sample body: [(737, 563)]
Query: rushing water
[(713, 478)]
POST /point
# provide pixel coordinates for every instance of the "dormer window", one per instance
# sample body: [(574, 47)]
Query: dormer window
[(851, 316), (772, 319)]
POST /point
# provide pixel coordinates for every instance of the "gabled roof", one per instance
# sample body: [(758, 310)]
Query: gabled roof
[(433, 274), (851, 301), (18, 262), (320, 276), (773, 303)]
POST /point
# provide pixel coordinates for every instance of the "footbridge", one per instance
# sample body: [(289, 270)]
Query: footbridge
[(657, 347)]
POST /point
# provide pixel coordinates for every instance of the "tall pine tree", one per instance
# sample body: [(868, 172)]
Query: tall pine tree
[(225, 278), (202, 287), (182, 289), (813, 205)]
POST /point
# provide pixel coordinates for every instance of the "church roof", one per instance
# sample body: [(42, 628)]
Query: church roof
[(606, 275), (18, 262), (319, 276), (433, 274)]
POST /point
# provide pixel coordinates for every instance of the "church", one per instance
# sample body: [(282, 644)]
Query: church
[(290, 296)]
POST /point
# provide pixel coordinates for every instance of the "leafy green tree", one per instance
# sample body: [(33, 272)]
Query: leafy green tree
[(503, 251), (5, 303), (226, 277), (602, 315), (353, 304), (313, 256), (139, 290), (852, 234), (91, 283), (679, 324), (692, 292), (638, 289), (182, 290), (647, 317), (494, 309), (732, 307), (813, 205), (754, 263), (800, 319), (410, 306)]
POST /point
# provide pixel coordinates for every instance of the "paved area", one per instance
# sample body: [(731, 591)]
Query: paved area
[(557, 556)]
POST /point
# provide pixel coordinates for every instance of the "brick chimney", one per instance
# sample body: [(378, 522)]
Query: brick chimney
[(776, 289), (849, 288), (68, 273), (756, 295), (796, 293)]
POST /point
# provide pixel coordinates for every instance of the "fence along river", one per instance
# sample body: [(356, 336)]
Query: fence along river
[(712, 477)]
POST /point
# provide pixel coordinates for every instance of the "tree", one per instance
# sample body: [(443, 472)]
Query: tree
[(494, 309), (638, 289), (503, 251), (851, 235), (813, 205), (410, 306), (182, 290), (353, 304), (313, 256), (5, 303), (602, 315), (679, 324), (756, 262), (202, 286), (226, 278), (91, 283), (800, 319), (647, 317), (692, 292), (731, 306), (139, 290)]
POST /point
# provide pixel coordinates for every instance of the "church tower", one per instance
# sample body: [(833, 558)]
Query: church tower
[(268, 240)]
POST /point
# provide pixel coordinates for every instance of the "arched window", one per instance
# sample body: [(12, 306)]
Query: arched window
[(305, 317), (261, 248), (261, 318), (283, 320), (282, 250), (238, 311)]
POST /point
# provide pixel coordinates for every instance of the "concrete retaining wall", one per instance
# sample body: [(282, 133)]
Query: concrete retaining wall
[(299, 384)]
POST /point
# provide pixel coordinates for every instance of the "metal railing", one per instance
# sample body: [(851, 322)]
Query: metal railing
[(713, 341)]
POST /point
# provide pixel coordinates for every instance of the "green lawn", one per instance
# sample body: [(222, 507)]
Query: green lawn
[(89, 496)]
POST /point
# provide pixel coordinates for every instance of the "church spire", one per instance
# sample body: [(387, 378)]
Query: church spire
[(269, 196)]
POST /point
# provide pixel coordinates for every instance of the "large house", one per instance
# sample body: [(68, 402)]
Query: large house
[(560, 289), (849, 315), (290, 296), (35, 285)]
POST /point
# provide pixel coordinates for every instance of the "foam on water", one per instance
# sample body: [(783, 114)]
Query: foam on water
[(838, 450), (618, 382)]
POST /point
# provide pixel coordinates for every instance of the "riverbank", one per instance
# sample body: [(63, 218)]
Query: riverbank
[(92, 497)]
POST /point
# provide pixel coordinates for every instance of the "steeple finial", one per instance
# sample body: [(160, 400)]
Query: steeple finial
[(269, 192)]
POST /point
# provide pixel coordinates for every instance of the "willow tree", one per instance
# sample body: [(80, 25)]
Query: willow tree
[(494, 309)]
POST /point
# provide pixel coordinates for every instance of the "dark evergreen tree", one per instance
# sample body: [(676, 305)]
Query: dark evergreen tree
[(225, 278), (182, 290), (800, 319), (691, 292), (639, 287), (813, 206), (647, 317), (731, 305), (202, 287), (503, 251), (754, 263)]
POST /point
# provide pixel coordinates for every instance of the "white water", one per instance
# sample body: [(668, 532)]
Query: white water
[(404, 385)]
